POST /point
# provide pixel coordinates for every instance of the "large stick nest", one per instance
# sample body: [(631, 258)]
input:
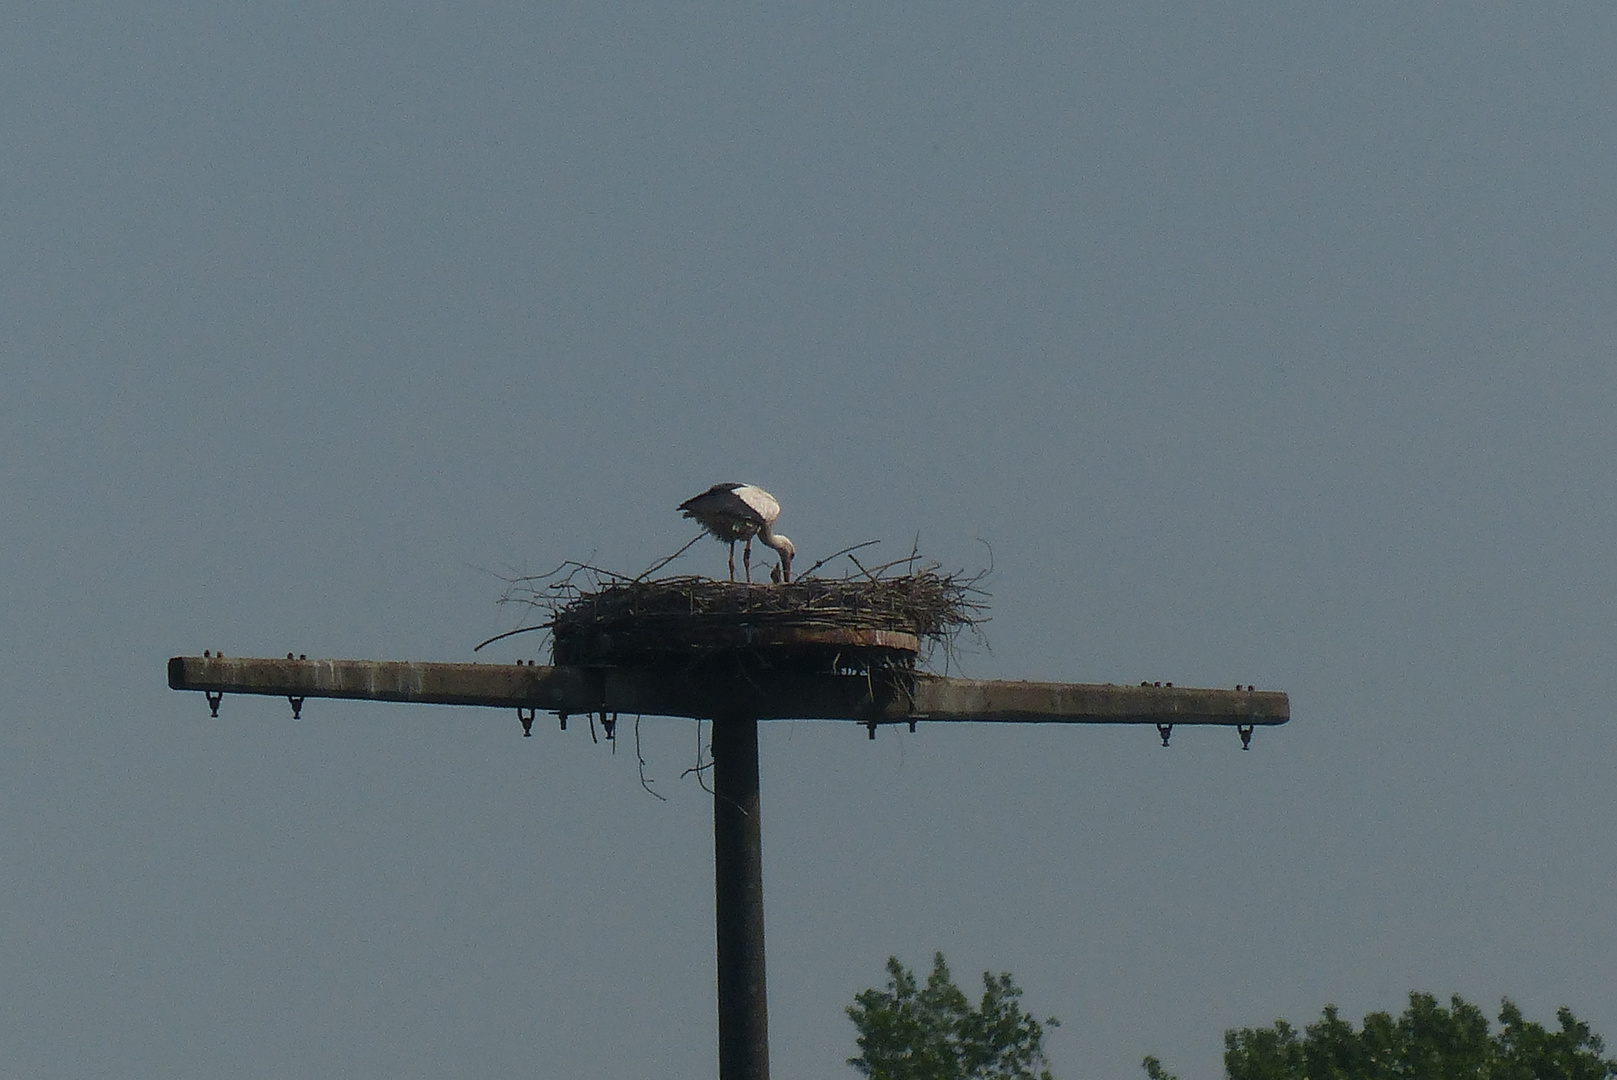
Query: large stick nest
[(596, 617)]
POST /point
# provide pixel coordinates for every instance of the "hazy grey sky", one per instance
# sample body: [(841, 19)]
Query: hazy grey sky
[(1264, 343)]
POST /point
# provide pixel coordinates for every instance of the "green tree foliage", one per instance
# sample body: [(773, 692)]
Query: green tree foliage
[(1428, 1042), (911, 1032)]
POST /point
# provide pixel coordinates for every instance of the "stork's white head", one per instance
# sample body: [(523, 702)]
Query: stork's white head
[(786, 550)]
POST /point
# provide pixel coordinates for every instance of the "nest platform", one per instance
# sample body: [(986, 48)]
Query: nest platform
[(848, 625)]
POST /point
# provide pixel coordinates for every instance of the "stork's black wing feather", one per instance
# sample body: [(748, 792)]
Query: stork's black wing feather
[(716, 489)]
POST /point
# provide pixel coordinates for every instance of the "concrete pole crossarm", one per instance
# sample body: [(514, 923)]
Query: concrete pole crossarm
[(564, 689), (972, 700), (780, 695)]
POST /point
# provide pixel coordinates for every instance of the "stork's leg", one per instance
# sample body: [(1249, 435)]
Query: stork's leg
[(732, 560), (746, 559)]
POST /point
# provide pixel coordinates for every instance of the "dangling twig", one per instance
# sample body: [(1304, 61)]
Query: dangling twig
[(643, 781), (700, 767)]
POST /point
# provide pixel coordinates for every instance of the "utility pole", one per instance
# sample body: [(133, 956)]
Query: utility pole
[(736, 706), (738, 895)]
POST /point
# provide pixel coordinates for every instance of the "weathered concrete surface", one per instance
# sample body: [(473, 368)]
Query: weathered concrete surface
[(554, 689), (774, 696), (1092, 703)]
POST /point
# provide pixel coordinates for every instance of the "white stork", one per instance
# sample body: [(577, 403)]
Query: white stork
[(732, 512)]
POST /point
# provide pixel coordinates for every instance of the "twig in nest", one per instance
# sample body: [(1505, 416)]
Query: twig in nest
[(538, 591), (906, 561), (861, 567), (511, 633), (656, 566), (836, 554)]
